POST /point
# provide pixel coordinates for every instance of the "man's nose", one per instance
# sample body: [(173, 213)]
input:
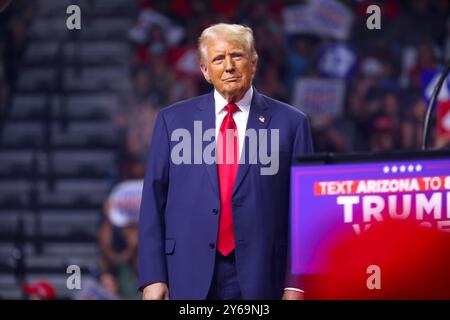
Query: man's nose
[(229, 64)]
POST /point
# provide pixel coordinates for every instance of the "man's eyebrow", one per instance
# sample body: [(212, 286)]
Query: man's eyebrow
[(217, 55)]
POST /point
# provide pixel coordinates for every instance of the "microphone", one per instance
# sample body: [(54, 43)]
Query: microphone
[(437, 89)]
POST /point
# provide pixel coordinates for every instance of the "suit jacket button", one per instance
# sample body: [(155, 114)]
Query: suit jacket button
[(215, 211), (212, 245)]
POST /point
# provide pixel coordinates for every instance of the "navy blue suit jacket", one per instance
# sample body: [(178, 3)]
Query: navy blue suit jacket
[(179, 217)]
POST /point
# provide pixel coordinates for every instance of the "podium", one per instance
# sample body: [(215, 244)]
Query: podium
[(341, 198)]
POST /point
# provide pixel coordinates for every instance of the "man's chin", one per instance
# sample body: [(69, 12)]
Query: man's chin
[(234, 87), (235, 93)]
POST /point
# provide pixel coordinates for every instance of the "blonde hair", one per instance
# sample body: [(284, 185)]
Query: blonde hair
[(229, 32)]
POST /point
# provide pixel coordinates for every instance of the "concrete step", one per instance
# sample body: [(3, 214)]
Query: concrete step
[(53, 224), (65, 192), (45, 78), (51, 8), (72, 106), (86, 249), (76, 133), (62, 162), (80, 52), (94, 28)]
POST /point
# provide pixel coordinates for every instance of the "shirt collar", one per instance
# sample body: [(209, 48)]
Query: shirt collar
[(243, 104)]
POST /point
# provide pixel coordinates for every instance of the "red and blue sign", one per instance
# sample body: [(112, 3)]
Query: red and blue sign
[(347, 199)]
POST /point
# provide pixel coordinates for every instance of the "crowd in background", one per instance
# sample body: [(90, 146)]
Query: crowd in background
[(383, 107)]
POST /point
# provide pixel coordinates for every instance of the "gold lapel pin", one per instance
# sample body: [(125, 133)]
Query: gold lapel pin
[(261, 119)]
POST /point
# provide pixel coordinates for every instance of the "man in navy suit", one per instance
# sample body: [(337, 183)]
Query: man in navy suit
[(214, 220)]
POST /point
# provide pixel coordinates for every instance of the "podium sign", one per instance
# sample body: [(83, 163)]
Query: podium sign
[(344, 199)]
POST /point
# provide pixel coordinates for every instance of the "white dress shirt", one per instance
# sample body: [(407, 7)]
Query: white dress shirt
[(240, 117)]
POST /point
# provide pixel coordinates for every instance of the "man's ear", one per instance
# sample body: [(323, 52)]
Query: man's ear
[(204, 70), (254, 63)]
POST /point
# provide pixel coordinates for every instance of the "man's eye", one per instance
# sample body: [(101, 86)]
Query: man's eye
[(217, 59)]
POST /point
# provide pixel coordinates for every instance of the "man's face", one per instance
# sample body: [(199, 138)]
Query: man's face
[(229, 67)]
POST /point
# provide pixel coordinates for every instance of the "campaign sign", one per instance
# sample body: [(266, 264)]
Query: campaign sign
[(332, 18), (124, 203), (429, 80), (297, 19), (314, 96), (327, 18), (347, 199), (337, 60), (443, 118)]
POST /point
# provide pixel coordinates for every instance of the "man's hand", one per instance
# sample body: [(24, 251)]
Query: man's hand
[(156, 291), (293, 295)]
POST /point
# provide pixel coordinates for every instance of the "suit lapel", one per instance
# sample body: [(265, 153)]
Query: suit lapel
[(206, 114), (259, 118)]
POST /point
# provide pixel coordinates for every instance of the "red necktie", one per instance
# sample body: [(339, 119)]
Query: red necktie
[(228, 161)]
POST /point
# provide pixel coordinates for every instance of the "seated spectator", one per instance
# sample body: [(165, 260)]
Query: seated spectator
[(326, 137), (412, 124), (104, 287), (384, 137), (140, 122), (117, 237)]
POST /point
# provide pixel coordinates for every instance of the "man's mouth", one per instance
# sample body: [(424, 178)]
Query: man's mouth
[(233, 79)]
